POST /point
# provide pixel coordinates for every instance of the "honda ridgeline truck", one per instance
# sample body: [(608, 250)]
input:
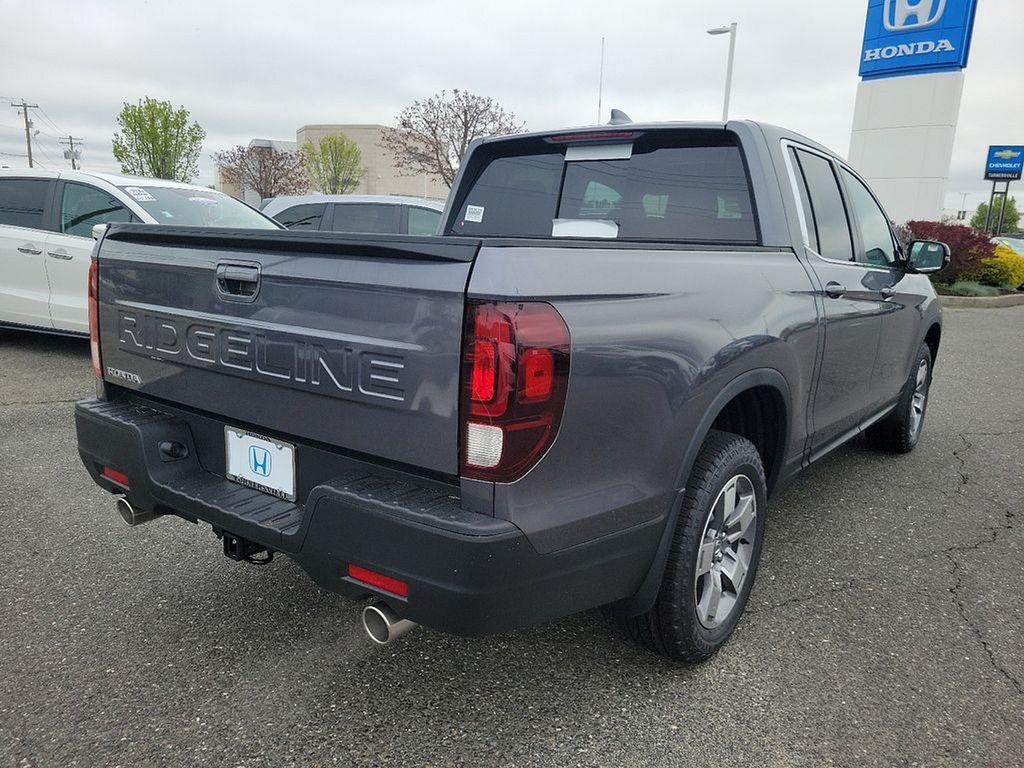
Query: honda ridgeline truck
[(581, 393)]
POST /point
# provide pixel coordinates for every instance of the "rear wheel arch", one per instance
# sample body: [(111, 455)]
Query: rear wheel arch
[(735, 409), (761, 381)]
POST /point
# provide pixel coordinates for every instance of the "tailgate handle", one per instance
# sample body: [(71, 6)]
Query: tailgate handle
[(239, 282)]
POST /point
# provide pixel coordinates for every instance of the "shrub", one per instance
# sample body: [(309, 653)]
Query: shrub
[(1005, 268), (968, 247), (968, 288)]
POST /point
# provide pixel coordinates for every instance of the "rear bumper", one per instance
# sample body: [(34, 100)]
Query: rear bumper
[(467, 573)]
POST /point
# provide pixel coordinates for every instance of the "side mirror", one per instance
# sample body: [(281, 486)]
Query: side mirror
[(98, 230), (927, 256)]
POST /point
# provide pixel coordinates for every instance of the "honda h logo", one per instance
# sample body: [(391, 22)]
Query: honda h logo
[(925, 13), (259, 461)]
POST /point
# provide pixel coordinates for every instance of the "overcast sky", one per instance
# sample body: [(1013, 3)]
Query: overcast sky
[(252, 69)]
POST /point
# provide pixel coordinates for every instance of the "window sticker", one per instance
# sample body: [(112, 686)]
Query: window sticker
[(138, 193), (203, 201), (475, 213)]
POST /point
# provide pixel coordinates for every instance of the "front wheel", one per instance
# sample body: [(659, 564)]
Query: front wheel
[(900, 430), (714, 554)]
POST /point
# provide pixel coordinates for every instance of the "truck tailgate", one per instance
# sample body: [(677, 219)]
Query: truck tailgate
[(351, 341)]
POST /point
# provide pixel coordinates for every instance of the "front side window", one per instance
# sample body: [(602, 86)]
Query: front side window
[(423, 221), (22, 202), (369, 218), (688, 186), (191, 207), (832, 228), (879, 247), (302, 216), (83, 206)]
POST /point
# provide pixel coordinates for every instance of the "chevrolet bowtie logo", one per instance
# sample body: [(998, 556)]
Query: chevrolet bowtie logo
[(1007, 154)]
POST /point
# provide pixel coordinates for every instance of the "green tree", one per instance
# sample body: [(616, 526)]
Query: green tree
[(333, 163), (1011, 218), (157, 139)]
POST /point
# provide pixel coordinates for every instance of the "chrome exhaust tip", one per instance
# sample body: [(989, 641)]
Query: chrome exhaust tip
[(384, 625), (131, 515)]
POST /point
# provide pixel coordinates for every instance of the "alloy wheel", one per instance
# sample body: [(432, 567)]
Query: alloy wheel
[(726, 548), (919, 401)]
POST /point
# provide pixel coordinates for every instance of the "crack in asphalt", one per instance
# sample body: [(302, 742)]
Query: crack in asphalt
[(990, 536), (849, 586)]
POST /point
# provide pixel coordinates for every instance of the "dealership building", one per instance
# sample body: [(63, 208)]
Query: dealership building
[(381, 176)]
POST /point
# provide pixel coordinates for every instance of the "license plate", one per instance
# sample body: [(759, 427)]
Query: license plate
[(261, 463)]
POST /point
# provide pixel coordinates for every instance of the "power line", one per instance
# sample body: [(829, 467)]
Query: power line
[(47, 118)]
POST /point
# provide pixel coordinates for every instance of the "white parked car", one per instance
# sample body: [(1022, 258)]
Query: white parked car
[(377, 214), (46, 222)]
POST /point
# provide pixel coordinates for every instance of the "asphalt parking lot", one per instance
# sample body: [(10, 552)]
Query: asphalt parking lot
[(886, 627)]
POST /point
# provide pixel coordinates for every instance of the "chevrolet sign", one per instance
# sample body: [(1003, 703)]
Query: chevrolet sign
[(1004, 163), (909, 37)]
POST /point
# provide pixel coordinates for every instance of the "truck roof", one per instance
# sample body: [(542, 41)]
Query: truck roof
[(771, 132)]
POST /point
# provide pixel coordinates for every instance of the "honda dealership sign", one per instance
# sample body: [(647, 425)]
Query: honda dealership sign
[(905, 37)]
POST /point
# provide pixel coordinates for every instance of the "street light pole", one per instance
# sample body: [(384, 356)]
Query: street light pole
[(731, 31)]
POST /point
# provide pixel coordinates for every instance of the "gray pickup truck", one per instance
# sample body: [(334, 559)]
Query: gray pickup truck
[(581, 394)]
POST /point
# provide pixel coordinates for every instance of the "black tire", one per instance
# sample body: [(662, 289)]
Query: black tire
[(899, 432), (672, 627)]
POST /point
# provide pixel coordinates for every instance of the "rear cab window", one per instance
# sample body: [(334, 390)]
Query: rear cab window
[(688, 185)]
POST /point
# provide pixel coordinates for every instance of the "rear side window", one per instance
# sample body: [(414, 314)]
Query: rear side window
[(82, 207), (22, 202), (302, 216), (366, 217), (423, 221), (831, 226), (682, 186)]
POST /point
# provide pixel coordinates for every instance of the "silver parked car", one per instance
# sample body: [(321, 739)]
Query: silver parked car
[(377, 214)]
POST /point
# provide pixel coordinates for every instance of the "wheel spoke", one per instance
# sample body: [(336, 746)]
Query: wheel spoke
[(738, 526), (705, 557), (708, 605), (734, 568), (729, 499)]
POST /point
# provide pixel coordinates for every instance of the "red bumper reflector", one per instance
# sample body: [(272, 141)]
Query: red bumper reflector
[(379, 580), (114, 476)]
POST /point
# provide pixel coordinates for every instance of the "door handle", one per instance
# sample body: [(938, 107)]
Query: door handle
[(834, 290), (238, 282), (29, 250), (61, 254), (887, 292)]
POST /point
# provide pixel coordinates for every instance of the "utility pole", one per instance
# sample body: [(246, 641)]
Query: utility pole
[(28, 125), (70, 153)]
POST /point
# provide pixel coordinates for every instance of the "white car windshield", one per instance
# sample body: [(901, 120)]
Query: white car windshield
[(186, 207)]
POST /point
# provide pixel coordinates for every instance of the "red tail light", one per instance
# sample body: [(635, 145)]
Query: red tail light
[(515, 369), (112, 474), (379, 580), (94, 317)]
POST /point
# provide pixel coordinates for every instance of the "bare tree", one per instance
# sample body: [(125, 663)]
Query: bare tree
[(432, 134), (269, 172)]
